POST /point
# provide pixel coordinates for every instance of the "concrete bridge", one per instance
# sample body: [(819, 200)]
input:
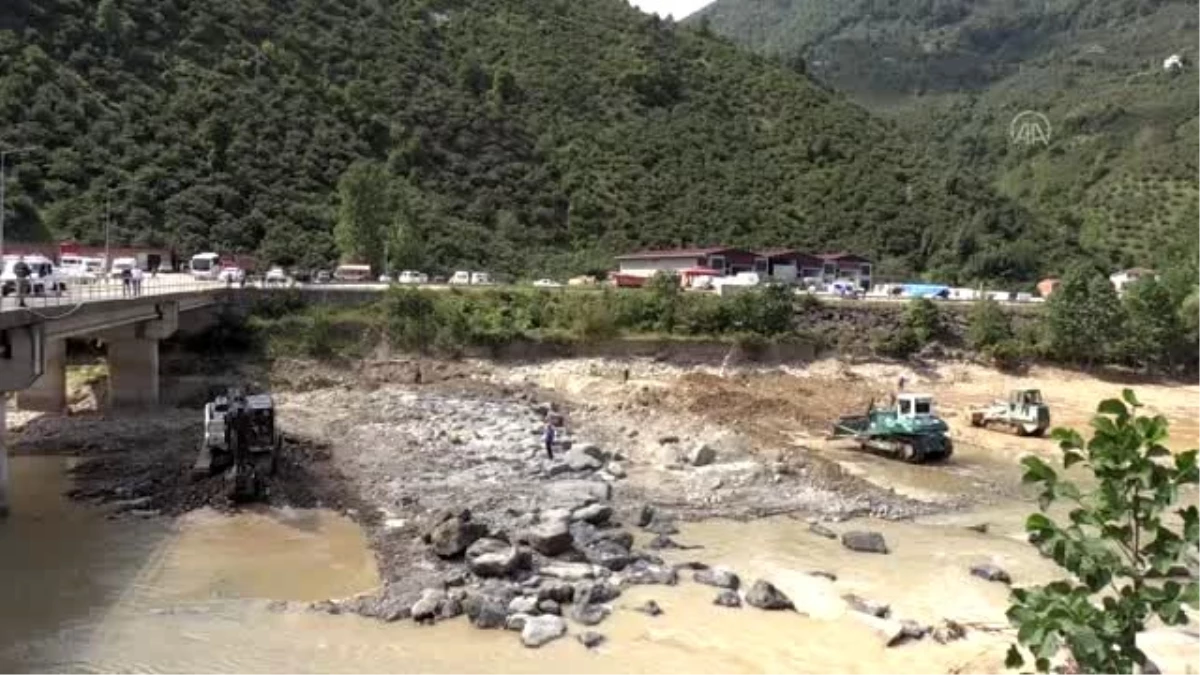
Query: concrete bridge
[(33, 345)]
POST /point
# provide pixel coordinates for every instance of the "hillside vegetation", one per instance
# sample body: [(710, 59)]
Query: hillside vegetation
[(1119, 175), (520, 136)]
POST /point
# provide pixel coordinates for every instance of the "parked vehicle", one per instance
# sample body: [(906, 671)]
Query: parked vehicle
[(481, 279), (352, 273), (547, 283), (412, 277), (205, 266), (42, 276), (120, 265), (231, 274), (323, 277), (385, 278), (460, 278), (275, 276)]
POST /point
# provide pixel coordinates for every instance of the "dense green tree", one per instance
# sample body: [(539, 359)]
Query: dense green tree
[(988, 325), (1153, 333), (922, 317), (365, 211), (1083, 317)]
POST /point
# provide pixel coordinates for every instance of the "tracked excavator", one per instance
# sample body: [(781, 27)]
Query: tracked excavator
[(240, 440)]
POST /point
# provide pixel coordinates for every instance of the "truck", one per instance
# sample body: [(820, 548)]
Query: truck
[(908, 430)]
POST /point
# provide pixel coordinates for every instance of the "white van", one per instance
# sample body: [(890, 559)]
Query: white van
[(481, 279), (119, 265), (42, 276), (461, 277)]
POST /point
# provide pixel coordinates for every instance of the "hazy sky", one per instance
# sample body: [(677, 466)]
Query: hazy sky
[(676, 8)]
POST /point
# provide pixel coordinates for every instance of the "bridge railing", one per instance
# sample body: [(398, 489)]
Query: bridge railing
[(68, 292)]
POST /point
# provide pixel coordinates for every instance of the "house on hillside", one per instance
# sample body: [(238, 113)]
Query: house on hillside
[(1121, 280), (1047, 286), (846, 266)]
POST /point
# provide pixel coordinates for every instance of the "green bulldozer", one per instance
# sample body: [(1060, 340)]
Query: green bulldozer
[(1025, 413), (907, 430)]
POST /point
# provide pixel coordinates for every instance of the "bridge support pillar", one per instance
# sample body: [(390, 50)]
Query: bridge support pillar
[(132, 371), (48, 393)]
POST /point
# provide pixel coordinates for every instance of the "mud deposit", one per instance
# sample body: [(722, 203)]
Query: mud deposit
[(662, 474)]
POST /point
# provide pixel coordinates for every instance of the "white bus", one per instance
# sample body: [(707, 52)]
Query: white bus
[(205, 266)]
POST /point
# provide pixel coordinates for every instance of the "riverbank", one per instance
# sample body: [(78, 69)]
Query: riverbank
[(408, 460)]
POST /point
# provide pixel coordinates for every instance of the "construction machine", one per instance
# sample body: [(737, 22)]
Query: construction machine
[(241, 440), (1025, 413), (908, 430)]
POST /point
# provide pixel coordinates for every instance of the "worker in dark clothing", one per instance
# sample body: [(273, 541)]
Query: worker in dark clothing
[(21, 269), (548, 437), (126, 282)]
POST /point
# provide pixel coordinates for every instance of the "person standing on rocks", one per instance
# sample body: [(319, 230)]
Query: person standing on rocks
[(548, 436)]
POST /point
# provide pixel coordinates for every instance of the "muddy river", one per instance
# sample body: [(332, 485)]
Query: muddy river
[(82, 592)]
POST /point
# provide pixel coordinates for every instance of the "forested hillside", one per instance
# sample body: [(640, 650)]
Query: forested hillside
[(1120, 170), (523, 136)]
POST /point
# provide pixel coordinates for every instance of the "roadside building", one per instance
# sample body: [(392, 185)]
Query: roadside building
[(725, 260), (1047, 286), (1121, 280), (787, 265), (846, 266)]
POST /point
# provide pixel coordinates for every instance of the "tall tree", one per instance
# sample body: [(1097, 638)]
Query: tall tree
[(365, 209), (1153, 329), (1083, 316)]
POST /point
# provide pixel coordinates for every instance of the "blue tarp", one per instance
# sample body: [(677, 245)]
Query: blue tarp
[(925, 290)]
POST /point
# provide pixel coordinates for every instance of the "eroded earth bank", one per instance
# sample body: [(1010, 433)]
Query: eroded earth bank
[(694, 518)]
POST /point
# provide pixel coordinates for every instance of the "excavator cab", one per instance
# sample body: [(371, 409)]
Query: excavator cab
[(1025, 397)]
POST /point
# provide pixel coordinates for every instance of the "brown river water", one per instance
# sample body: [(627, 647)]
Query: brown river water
[(85, 593)]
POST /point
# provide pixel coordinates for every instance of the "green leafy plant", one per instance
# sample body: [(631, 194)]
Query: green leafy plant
[(1119, 540), (923, 319)]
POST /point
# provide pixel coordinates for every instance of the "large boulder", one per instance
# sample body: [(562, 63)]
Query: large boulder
[(859, 604), (549, 537), (596, 593), (578, 491), (645, 515), (590, 639), (486, 611), (701, 454), (642, 572), (615, 469), (717, 576), (580, 461), (728, 598), (572, 571), (549, 607), (865, 542), (589, 615), (539, 630), (607, 553), (593, 451), (764, 595), (493, 558), (557, 591), (596, 514), (991, 572), (450, 537), (429, 606), (523, 604)]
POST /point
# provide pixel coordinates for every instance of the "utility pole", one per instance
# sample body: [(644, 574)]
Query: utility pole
[(3, 180), (107, 224)]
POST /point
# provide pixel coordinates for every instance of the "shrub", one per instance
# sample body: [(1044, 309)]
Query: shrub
[(924, 320), (988, 325), (899, 343), (1117, 539)]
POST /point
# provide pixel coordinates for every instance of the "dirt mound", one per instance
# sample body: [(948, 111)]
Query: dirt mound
[(777, 405)]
